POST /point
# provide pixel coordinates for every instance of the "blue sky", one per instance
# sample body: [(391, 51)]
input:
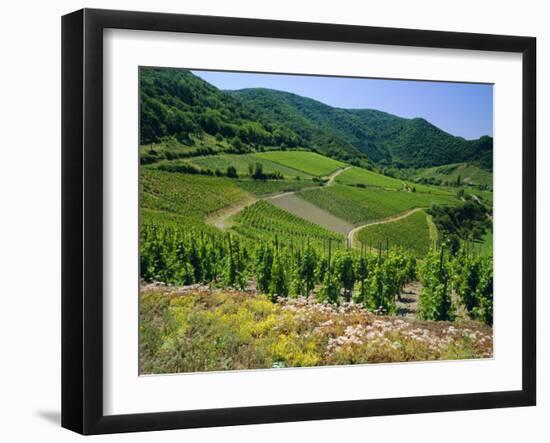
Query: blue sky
[(462, 109)]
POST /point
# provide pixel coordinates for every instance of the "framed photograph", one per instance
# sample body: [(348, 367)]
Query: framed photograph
[(269, 221)]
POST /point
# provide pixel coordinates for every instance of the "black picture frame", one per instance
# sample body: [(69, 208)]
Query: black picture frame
[(82, 221)]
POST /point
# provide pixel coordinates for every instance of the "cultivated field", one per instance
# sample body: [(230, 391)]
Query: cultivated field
[(360, 176), (243, 162), (466, 173), (308, 162), (411, 233), (263, 220), (358, 205)]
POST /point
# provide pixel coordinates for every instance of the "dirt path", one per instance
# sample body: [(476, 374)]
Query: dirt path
[(407, 305), (330, 178), (221, 219), (351, 234)]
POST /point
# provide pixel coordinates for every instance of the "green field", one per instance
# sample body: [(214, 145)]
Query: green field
[(411, 233), (242, 163), (362, 177), (469, 174), (191, 196), (264, 221), (359, 176), (307, 162), (358, 205)]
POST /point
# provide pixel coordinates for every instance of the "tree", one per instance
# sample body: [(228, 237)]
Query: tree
[(329, 291), (279, 284), (345, 273), (237, 143), (232, 172), (258, 172)]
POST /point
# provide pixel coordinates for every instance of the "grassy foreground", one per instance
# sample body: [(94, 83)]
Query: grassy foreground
[(195, 328)]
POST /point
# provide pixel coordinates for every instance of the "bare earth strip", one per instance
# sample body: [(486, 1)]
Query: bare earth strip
[(308, 211), (335, 174), (221, 219), (352, 232)]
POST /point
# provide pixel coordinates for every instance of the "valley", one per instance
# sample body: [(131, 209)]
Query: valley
[(278, 207)]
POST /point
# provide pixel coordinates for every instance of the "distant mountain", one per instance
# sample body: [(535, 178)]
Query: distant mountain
[(383, 137), (176, 103)]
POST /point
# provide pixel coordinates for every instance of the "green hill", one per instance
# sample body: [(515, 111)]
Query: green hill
[(187, 116), (176, 104), (383, 137)]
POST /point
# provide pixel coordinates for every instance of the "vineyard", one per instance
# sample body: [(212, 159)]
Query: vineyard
[(412, 233), (264, 245), (301, 260), (358, 205)]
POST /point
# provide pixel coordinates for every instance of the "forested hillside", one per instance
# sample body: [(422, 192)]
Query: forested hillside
[(177, 104), (384, 138)]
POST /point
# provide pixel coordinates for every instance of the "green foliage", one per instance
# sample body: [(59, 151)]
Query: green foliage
[(435, 298), (280, 265), (467, 221), (473, 282), (176, 103), (231, 172), (345, 271)]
